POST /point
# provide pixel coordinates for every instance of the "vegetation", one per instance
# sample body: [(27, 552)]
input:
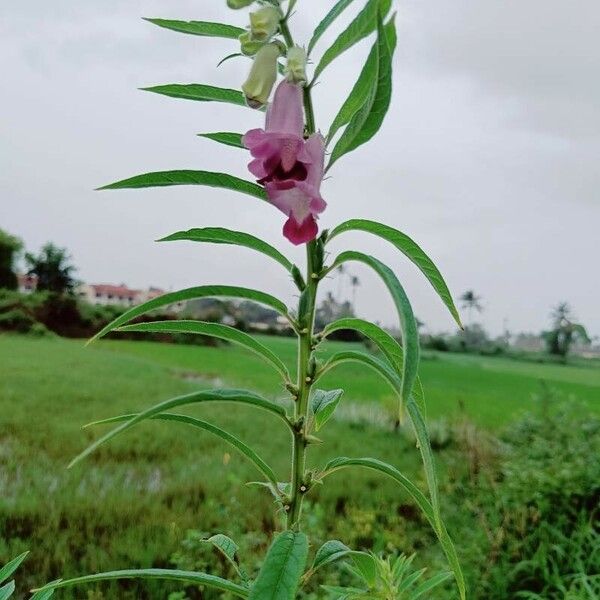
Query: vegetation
[(10, 246), (564, 331), (53, 269), (155, 487)]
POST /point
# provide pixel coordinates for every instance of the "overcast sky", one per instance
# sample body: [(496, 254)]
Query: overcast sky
[(489, 157)]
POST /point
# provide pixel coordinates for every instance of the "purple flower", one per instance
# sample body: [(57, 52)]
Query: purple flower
[(290, 167)]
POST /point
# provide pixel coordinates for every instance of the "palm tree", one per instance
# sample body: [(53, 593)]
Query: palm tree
[(471, 301), (341, 271), (564, 331), (52, 268), (354, 282)]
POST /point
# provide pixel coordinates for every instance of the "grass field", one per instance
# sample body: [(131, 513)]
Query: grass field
[(131, 503)]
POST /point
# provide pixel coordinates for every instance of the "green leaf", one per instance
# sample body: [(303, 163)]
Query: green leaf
[(384, 341), (199, 92), (43, 595), (364, 23), (410, 249), (338, 8), (9, 568), (217, 330), (366, 567), (194, 578), (202, 28), (331, 551), (323, 405), (218, 235), (6, 591), (280, 574), (207, 178), (245, 450), (419, 499), (408, 326), (235, 396), (203, 291), (225, 137), (364, 84), (428, 585), (367, 121), (366, 359), (226, 546)]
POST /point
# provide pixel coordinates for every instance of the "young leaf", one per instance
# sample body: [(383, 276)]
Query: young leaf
[(419, 499), (225, 137), (408, 326), (186, 177), (9, 568), (338, 8), (410, 249), (218, 235), (245, 450), (229, 549), (199, 92), (367, 121), (235, 396), (364, 23), (203, 291), (224, 332), (280, 574), (323, 405), (190, 577), (202, 28), (364, 84)]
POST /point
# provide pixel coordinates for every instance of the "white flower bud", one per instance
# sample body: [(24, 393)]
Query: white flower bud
[(264, 23), (295, 69), (263, 75)]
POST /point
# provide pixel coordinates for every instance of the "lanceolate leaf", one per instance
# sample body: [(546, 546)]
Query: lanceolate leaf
[(203, 291), (366, 359), (338, 8), (331, 552), (9, 568), (367, 121), (410, 249), (190, 577), (218, 235), (207, 178), (203, 28), (419, 499), (323, 405), (364, 84), (408, 326), (225, 137), (385, 342), (280, 574), (234, 396), (6, 591), (199, 92), (259, 463), (217, 330), (364, 23)]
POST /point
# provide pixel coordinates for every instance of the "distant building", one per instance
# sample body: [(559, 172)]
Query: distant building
[(27, 283), (118, 295)]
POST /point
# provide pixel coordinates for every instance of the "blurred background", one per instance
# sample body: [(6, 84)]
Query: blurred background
[(488, 159)]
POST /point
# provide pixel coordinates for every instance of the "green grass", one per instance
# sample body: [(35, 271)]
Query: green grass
[(130, 504), (491, 391)]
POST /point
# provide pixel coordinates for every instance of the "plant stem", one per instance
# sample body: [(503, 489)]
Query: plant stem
[(304, 385)]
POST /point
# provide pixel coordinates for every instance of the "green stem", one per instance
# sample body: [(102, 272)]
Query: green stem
[(305, 380)]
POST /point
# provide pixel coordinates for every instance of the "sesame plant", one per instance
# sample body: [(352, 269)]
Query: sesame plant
[(289, 158)]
